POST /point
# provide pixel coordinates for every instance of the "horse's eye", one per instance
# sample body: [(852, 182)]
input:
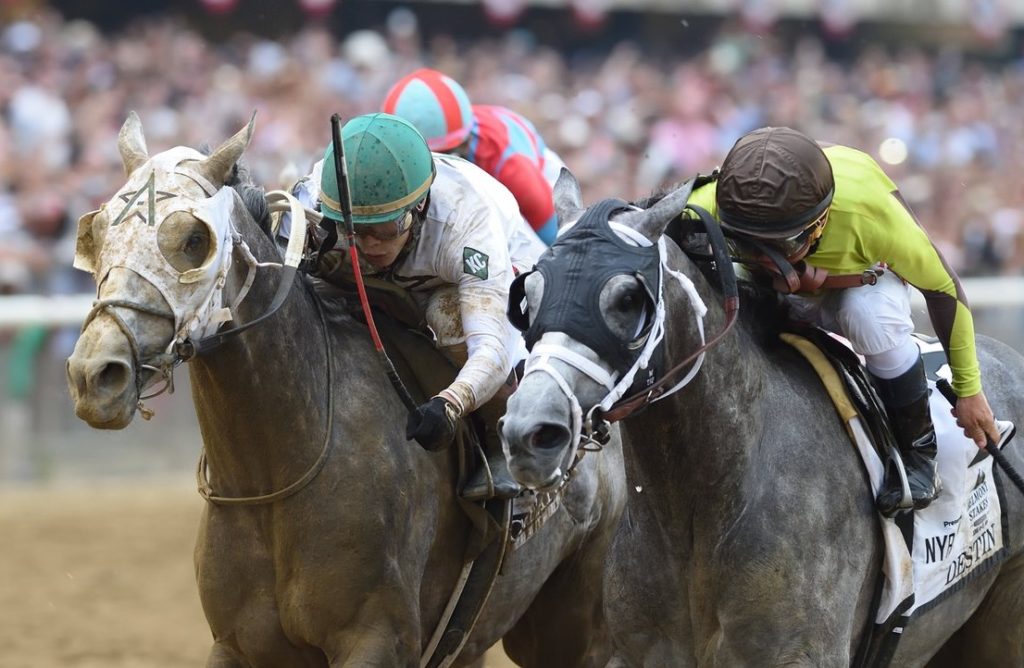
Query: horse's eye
[(194, 243), (628, 301), (184, 241)]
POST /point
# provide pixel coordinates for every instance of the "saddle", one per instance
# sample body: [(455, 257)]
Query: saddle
[(924, 560), (858, 386)]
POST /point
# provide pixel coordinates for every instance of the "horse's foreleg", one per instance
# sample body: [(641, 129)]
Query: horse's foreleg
[(377, 641), (222, 657), (565, 624), (994, 635), (376, 649)]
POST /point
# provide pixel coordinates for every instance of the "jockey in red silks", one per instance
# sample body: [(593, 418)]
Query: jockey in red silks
[(496, 139)]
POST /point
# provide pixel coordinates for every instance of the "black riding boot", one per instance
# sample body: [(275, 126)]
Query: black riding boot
[(492, 479), (906, 400)]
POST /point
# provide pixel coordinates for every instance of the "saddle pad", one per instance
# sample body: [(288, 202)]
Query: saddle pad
[(961, 535)]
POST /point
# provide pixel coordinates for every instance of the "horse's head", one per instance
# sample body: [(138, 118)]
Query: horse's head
[(159, 250), (593, 317)]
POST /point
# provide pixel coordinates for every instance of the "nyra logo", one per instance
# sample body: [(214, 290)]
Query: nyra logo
[(474, 262)]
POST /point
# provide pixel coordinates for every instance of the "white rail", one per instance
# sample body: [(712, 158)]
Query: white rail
[(58, 311)]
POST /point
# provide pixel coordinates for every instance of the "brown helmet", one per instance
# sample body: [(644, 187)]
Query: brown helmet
[(774, 183)]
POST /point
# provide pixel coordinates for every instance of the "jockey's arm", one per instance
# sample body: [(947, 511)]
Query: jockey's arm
[(911, 254), (477, 261), (488, 345), (913, 257)]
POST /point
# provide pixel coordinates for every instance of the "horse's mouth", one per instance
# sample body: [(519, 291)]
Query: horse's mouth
[(115, 423), (553, 480), (113, 415), (535, 476)]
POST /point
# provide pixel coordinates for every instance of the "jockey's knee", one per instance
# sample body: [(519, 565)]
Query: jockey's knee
[(893, 363)]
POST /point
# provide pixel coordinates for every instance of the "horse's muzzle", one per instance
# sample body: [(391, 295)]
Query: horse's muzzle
[(535, 450), (103, 390)]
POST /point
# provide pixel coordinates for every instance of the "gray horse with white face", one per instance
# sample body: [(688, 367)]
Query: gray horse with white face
[(750, 536), (329, 539)]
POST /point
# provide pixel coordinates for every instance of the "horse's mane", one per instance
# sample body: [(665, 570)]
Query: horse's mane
[(253, 196)]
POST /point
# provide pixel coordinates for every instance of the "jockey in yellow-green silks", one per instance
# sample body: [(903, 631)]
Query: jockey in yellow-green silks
[(452, 236), (833, 208)]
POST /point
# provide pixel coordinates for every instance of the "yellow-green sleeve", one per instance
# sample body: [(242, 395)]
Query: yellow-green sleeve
[(911, 254)]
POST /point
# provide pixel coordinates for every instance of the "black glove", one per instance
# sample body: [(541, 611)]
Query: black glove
[(432, 425)]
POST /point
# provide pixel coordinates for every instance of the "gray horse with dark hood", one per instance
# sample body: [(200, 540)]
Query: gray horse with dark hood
[(751, 537)]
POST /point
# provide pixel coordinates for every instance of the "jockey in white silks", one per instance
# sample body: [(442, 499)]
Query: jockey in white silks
[(451, 235)]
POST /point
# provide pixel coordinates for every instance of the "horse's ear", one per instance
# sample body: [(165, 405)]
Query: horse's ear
[(217, 168), (85, 244), (652, 222), (567, 196), (132, 144)]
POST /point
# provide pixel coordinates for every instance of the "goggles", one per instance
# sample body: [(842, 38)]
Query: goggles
[(793, 248), (798, 243), (387, 231)]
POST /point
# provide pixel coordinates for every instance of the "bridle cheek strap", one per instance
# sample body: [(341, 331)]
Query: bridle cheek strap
[(699, 308)]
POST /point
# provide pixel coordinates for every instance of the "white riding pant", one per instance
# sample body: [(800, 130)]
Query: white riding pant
[(875, 318)]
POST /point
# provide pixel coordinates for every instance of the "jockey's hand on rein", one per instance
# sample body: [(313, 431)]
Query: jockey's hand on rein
[(432, 425)]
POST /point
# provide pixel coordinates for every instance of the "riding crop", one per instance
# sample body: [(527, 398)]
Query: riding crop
[(345, 198), (1006, 432)]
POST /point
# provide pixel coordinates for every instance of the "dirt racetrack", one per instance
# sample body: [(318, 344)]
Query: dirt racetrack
[(101, 576)]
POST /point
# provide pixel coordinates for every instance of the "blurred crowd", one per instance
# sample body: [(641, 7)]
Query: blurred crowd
[(944, 126)]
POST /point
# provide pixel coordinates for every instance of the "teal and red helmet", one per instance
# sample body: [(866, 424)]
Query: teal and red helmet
[(436, 104)]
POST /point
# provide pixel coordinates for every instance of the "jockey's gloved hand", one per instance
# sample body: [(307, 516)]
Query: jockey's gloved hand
[(432, 425)]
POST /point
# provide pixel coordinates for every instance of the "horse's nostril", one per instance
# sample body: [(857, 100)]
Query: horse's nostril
[(549, 437), (113, 376)]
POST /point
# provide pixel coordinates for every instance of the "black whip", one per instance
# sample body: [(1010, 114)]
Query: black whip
[(992, 448)]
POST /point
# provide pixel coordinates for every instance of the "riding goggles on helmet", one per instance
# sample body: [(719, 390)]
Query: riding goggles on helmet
[(799, 243), (386, 231), (793, 248)]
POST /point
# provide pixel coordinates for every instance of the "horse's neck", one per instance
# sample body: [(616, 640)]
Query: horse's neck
[(261, 397), (698, 444)]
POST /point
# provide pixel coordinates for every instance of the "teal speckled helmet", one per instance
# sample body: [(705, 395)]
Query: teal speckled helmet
[(390, 169)]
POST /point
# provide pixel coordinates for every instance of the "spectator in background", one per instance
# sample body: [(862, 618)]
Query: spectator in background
[(496, 139), (65, 88)]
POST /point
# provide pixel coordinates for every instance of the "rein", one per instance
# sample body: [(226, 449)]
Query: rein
[(202, 477), (279, 201), (161, 363), (799, 276), (183, 349), (662, 387)]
